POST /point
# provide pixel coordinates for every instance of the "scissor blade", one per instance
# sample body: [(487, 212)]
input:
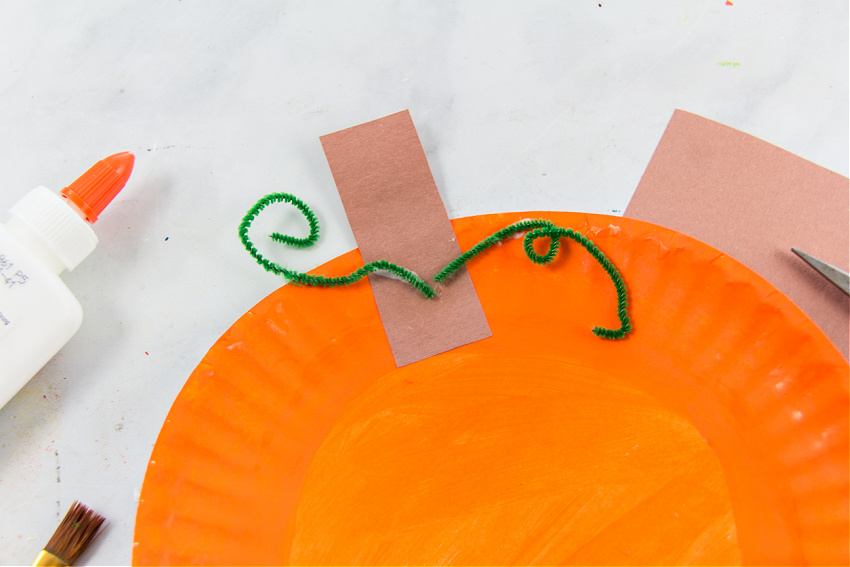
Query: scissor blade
[(836, 275)]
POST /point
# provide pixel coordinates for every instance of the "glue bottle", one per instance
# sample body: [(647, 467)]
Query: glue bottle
[(45, 235)]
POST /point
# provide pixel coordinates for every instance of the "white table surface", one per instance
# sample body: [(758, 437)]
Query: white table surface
[(550, 104)]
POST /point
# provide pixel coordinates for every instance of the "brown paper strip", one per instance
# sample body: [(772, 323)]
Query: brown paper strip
[(753, 201), (396, 214)]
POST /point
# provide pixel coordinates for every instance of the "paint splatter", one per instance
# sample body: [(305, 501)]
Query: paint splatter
[(729, 3), (729, 64)]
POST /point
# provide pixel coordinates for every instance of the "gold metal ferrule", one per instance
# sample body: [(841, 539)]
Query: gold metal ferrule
[(47, 559)]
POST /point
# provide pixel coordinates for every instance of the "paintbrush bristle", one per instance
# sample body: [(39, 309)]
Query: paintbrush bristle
[(75, 534)]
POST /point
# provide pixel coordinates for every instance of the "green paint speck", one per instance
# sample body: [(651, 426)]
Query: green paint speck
[(729, 64)]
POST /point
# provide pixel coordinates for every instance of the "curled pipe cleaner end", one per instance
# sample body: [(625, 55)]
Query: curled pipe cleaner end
[(307, 279)]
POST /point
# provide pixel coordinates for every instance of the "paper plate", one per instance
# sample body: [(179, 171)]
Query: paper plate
[(716, 433)]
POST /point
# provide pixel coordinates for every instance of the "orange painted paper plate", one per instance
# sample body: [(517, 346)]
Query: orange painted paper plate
[(716, 433)]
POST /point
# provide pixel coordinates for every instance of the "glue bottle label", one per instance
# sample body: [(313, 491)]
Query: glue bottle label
[(10, 277), (38, 314)]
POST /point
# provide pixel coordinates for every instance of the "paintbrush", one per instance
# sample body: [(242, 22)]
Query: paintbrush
[(74, 535)]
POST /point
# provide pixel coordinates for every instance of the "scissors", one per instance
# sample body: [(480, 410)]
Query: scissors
[(836, 275)]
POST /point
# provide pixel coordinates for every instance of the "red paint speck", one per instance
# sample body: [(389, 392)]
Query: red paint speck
[(146, 352), (45, 397), (729, 3)]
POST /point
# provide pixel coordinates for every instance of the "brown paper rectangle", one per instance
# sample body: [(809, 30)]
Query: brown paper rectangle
[(753, 201), (396, 214)]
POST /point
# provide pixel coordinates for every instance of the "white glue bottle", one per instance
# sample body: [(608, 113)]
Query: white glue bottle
[(46, 235)]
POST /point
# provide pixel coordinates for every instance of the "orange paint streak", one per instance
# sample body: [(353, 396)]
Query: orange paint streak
[(534, 462), (298, 440)]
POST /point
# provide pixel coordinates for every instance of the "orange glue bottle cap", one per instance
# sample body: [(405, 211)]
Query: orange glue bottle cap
[(94, 189)]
